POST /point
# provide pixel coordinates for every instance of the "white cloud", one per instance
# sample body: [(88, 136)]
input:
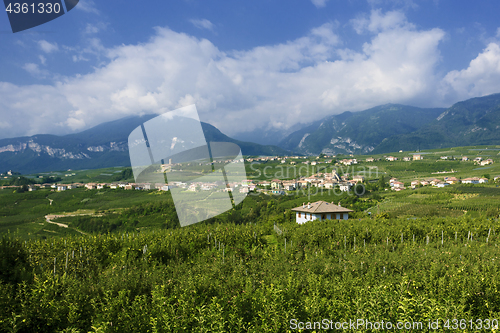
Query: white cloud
[(87, 6), (482, 77), (276, 85), (43, 60), (203, 24), (34, 70), (319, 3), (378, 22), (94, 28), (47, 47)]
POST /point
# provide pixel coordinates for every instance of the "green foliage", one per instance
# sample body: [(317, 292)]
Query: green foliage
[(124, 175), (239, 278), (382, 216)]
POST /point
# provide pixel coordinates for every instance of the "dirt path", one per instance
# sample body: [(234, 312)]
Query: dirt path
[(49, 218)]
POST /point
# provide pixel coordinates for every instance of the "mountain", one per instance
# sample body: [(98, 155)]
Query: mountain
[(360, 132), (475, 121), (104, 145), (269, 135)]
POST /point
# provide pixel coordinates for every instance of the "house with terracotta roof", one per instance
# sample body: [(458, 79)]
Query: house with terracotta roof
[(472, 180), (320, 210), (452, 180)]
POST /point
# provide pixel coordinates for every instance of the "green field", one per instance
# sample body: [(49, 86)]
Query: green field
[(117, 260)]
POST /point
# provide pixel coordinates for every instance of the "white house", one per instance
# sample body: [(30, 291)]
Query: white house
[(345, 187), (61, 187), (473, 180), (320, 211)]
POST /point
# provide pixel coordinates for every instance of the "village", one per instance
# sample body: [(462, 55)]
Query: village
[(282, 184)]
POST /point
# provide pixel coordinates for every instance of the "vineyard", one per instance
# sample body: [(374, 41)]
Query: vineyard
[(251, 278)]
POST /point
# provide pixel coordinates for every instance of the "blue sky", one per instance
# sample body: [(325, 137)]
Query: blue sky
[(245, 64)]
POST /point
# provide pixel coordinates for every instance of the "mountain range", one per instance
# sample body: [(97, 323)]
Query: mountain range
[(394, 127), (382, 129), (105, 145), (359, 132)]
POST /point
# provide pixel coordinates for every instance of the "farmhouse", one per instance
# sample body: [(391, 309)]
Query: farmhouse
[(320, 211), (417, 157)]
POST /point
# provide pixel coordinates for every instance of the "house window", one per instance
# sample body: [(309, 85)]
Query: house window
[(323, 217), (299, 214)]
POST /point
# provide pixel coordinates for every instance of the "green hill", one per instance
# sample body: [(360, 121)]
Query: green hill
[(472, 122), (360, 132)]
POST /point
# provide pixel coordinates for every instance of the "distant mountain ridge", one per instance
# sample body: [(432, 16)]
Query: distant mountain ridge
[(475, 121), (102, 146), (360, 132)]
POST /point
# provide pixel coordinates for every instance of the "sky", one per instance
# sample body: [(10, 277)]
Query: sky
[(246, 65)]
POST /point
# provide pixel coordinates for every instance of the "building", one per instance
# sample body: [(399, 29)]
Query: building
[(276, 184), (399, 185), (391, 158), (320, 211), (345, 187), (418, 157), (452, 180), (472, 180), (486, 162), (358, 179)]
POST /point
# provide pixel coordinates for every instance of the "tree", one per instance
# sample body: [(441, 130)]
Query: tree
[(382, 183)]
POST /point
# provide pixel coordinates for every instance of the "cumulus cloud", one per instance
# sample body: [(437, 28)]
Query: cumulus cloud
[(482, 77), (47, 47), (300, 80), (202, 24)]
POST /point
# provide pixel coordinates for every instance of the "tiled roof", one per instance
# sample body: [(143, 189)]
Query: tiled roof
[(321, 207)]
